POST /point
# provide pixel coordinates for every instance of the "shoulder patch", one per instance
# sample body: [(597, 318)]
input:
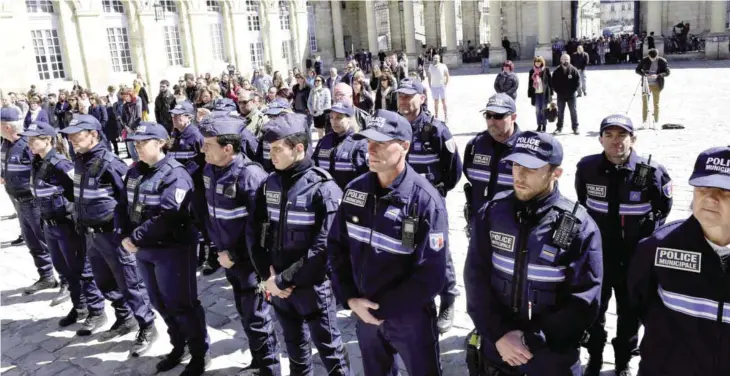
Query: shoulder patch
[(668, 189), (356, 198), (678, 259), (180, 195), (505, 242), (436, 240), (596, 190), (451, 145)]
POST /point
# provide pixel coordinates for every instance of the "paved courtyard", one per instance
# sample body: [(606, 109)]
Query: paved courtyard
[(695, 96)]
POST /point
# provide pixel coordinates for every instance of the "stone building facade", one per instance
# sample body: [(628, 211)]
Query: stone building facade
[(102, 42)]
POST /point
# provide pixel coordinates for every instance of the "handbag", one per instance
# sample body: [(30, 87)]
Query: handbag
[(551, 112)]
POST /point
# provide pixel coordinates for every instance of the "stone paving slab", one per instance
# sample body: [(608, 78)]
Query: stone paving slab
[(695, 96)]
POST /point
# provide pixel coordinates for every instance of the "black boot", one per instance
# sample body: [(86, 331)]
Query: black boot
[(595, 363), (92, 324), (41, 284), (74, 316), (146, 337), (197, 366), (63, 295), (446, 316), (623, 369), (18, 241), (211, 267), (119, 328), (171, 360)]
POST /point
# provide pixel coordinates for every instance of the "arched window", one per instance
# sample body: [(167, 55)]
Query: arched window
[(171, 33), (117, 33), (215, 17), (256, 46), (284, 15), (43, 25)]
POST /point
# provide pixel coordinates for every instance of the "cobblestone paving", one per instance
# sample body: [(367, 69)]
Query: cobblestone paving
[(695, 96)]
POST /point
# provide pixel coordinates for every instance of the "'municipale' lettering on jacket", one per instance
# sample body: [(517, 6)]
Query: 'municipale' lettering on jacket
[(356, 198), (482, 159), (502, 241), (678, 259)]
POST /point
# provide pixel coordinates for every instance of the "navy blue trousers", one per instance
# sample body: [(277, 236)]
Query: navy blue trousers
[(68, 253), (257, 320), (116, 274), (29, 216), (314, 306), (169, 274), (414, 337)]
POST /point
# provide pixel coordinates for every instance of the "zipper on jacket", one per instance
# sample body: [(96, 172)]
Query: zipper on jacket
[(365, 254), (520, 270)]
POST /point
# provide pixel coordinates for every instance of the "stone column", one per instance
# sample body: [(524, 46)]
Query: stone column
[(339, 38), (201, 61), (654, 23), (409, 32), (92, 56), (432, 16), (544, 47), (716, 43), (372, 27), (300, 36), (451, 58), (497, 54), (396, 31), (272, 36), (240, 54)]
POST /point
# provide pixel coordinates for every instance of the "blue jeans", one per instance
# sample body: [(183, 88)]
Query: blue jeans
[(582, 81), (131, 150), (485, 65), (29, 216), (540, 103)]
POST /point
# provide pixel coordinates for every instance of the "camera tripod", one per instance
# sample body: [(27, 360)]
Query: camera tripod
[(646, 95)]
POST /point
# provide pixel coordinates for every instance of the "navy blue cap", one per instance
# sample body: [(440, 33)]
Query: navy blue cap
[(82, 123), (712, 169), (183, 108), (225, 104), (39, 128), (277, 106), (386, 126), (284, 126), (535, 150), (214, 126), (620, 121), (148, 130), (501, 103), (9, 114), (409, 86), (343, 108)]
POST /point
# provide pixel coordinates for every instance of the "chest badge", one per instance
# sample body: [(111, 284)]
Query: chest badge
[(548, 253), (635, 196), (502, 241), (596, 190), (678, 259)]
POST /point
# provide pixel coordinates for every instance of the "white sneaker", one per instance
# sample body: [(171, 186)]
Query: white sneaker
[(644, 125)]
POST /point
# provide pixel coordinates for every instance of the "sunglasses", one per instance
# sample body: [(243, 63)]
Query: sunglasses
[(488, 115), (317, 80)]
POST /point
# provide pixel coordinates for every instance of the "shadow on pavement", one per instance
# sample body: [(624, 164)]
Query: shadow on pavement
[(16, 296)]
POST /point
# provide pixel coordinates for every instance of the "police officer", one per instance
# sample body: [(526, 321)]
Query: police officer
[(16, 167), (628, 197), (101, 215), (230, 183), (533, 271), (679, 280), (387, 254), (52, 187), (338, 152), (276, 108), (434, 155), (227, 108), (158, 192), (295, 209), (186, 146), (484, 165)]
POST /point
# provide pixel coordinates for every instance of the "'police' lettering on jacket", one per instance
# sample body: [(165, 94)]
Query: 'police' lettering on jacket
[(273, 197), (356, 198), (482, 159), (596, 190), (678, 259), (502, 241)]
